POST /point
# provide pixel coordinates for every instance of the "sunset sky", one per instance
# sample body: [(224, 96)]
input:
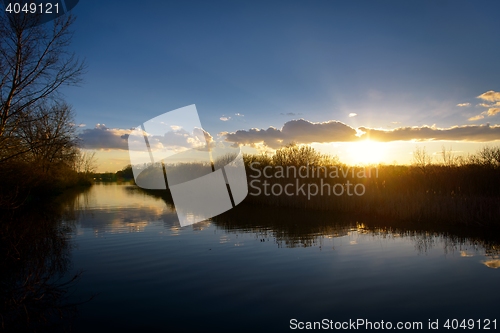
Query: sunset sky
[(327, 73)]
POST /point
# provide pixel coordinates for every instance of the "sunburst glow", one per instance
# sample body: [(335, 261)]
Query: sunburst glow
[(367, 152)]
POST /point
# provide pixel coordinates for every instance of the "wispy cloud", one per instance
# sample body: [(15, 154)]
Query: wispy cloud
[(239, 115), (463, 104), (352, 115), (290, 114), (224, 118), (478, 117)]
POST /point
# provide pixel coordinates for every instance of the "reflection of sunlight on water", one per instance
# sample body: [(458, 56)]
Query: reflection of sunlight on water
[(119, 226), (495, 263), (201, 225), (224, 239), (175, 230), (118, 209), (103, 196)]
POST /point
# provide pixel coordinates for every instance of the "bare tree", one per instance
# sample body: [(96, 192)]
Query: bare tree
[(421, 159), (34, 63), (85, 162), (489, 156), (47, 136), (448, 158)]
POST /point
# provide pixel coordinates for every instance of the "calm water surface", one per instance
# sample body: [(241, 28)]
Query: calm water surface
[(254, 269)]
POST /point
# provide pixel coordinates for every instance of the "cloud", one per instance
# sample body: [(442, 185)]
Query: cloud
[(224, 118), (239, 115), (463, 104), (493, 112), (489, 113), (490, 96), (479, 116), (485, 105), (300, 131), (102, 137), (477, 133), (290, 114), (305, 132), (352, 115)]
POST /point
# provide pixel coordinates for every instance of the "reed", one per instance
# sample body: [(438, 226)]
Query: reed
[(457, 192)]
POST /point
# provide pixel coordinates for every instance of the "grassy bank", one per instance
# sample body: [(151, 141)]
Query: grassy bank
[(23, 183)]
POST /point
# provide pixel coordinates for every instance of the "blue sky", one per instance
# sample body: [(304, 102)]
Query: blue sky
[(392, 63)]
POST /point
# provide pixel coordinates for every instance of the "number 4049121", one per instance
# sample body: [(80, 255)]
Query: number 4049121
[(484, 324), (32, 8)]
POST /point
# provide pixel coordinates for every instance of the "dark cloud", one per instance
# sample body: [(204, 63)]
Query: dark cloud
[(102, 137), (290, 114), (478, 133), (306, 132), (300, 131)]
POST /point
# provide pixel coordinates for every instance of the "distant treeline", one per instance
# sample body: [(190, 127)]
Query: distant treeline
[(123, 175)]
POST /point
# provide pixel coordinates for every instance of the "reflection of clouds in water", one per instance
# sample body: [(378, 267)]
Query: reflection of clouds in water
[(127, 220), (465, 254), (112, 208), (105, 196), (201, 225), (494, 263)]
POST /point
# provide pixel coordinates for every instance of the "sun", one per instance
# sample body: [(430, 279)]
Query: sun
[(367, 152)]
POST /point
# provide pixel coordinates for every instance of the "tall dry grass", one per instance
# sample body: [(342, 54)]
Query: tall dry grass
[(459, 191)]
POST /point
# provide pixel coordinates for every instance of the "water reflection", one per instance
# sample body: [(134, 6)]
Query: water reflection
[(264, 265), (494, 263), (109, 209), (293, 228), (34, 256)]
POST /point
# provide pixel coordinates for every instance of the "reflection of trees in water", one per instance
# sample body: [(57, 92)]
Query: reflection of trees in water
[(303, 228), (34, 256), (295, 228), (289, 228)]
